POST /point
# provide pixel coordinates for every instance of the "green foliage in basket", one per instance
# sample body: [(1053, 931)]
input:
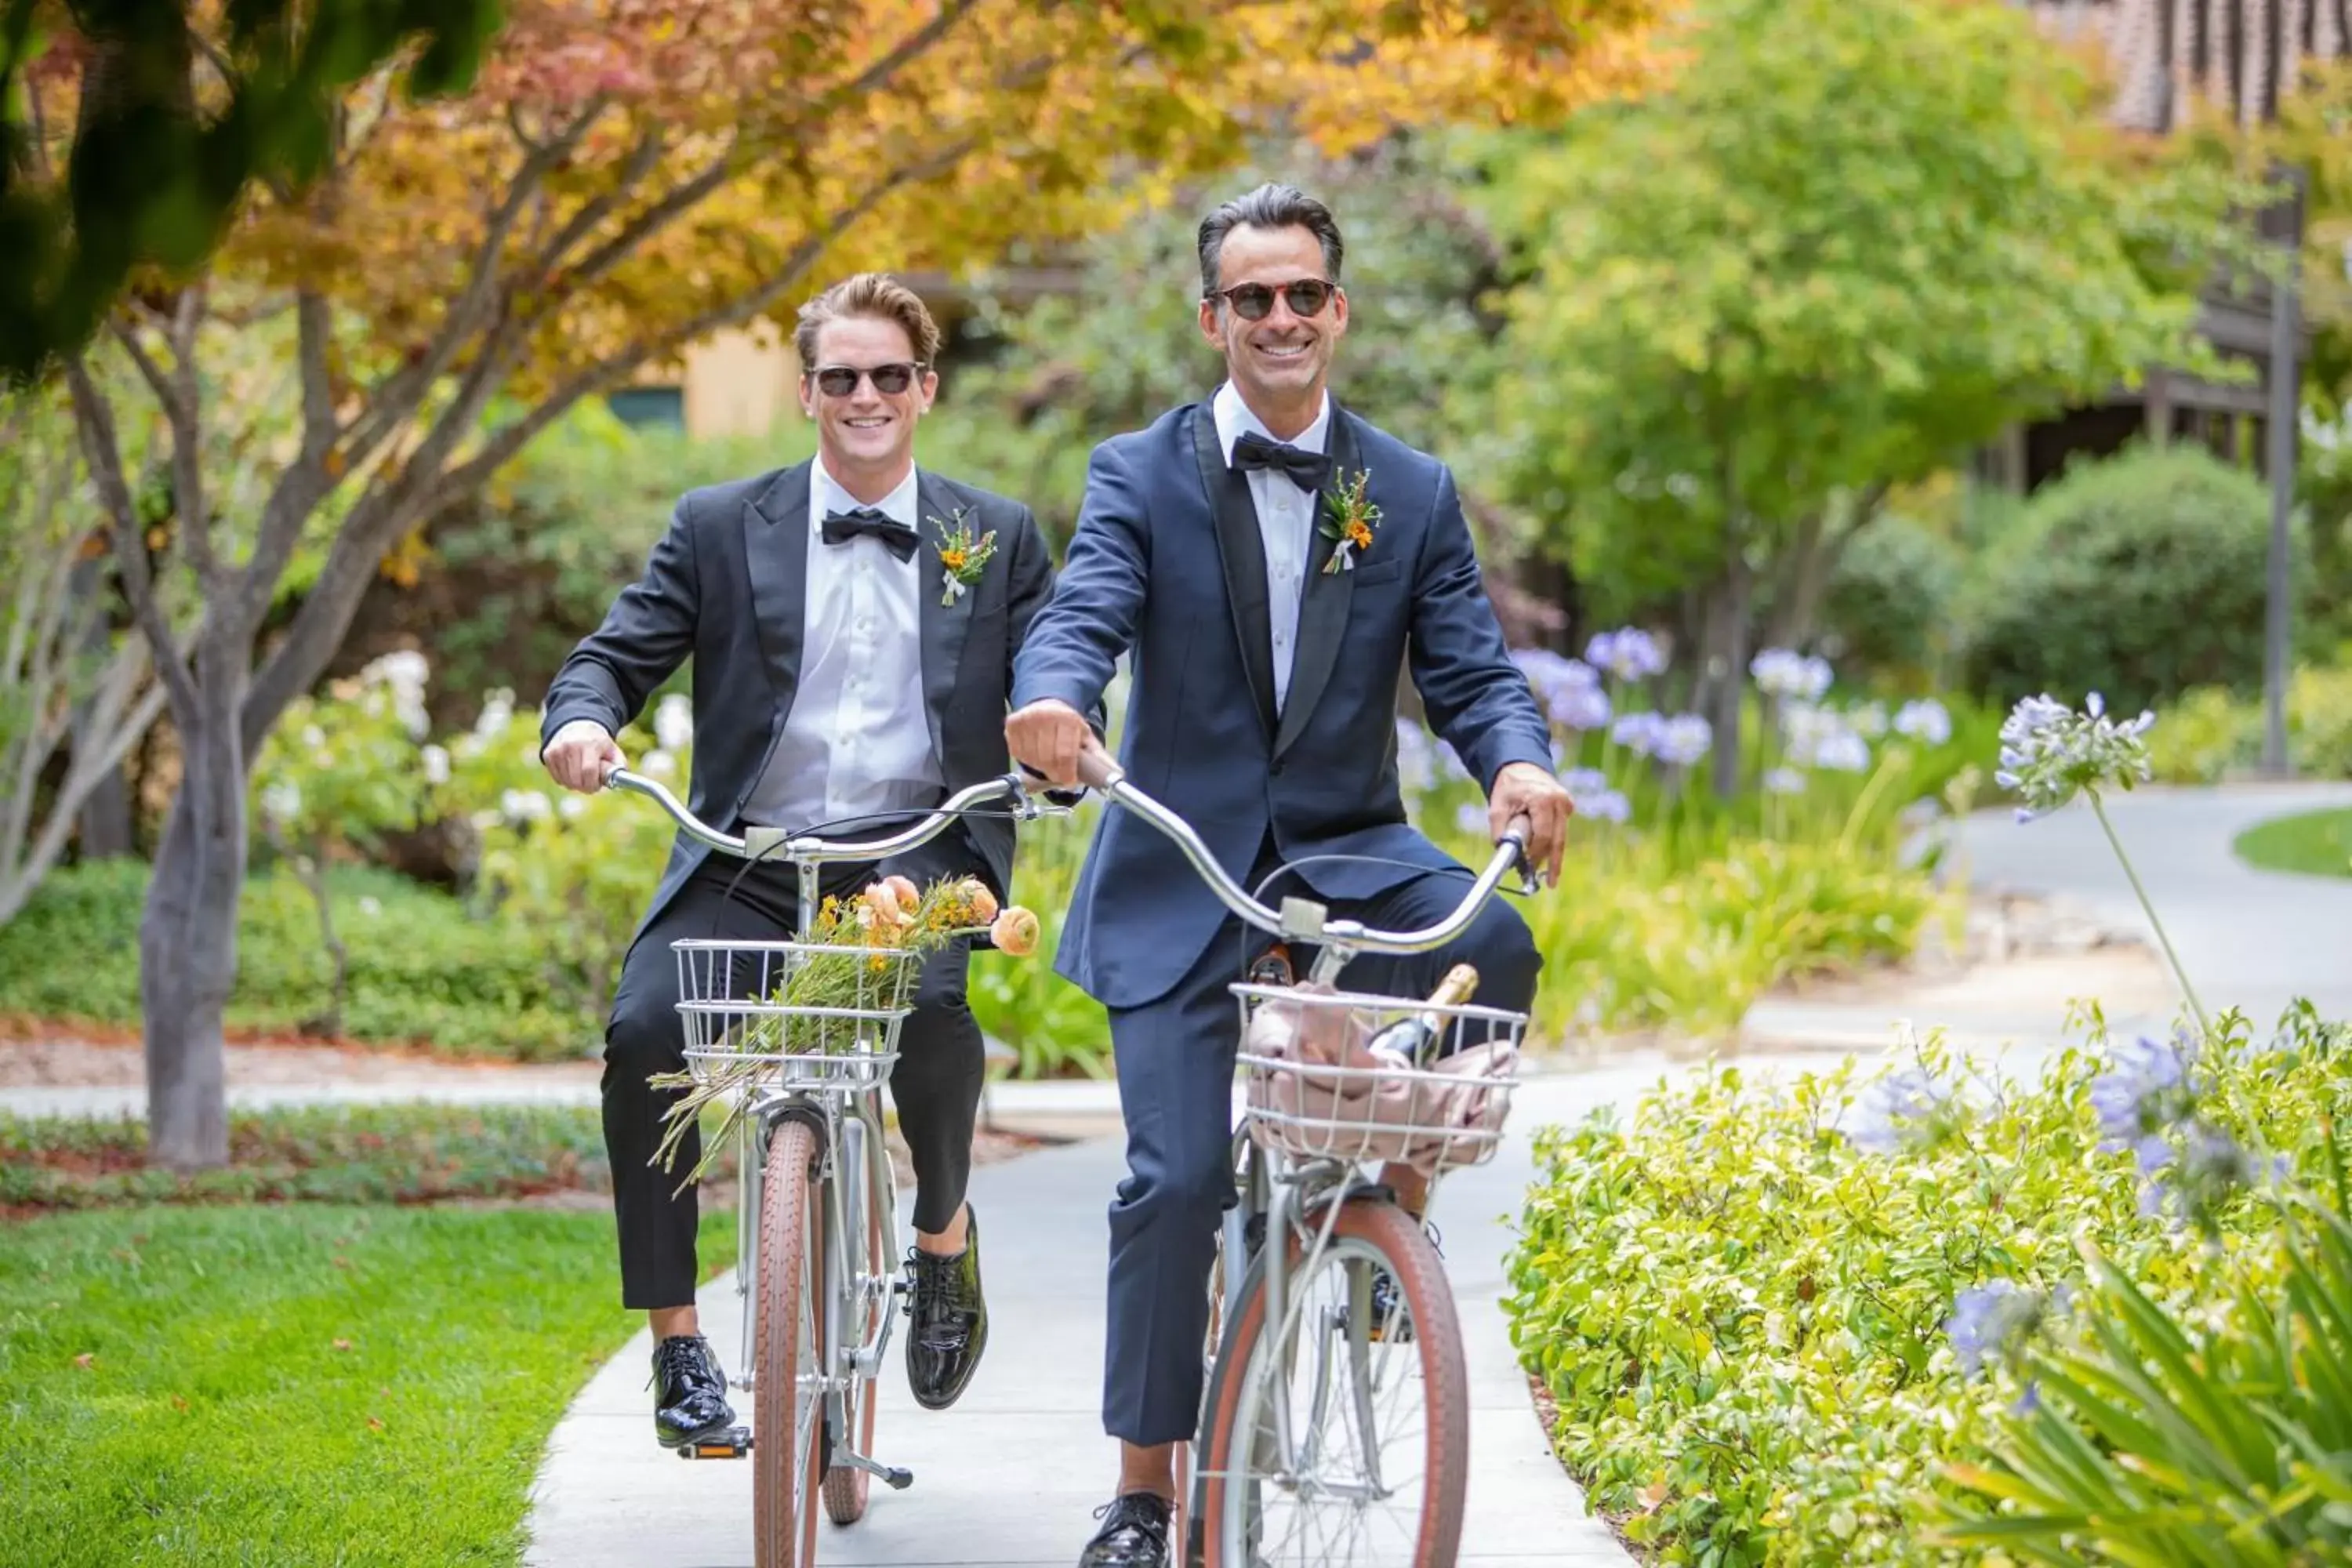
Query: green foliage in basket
[(842, 983)]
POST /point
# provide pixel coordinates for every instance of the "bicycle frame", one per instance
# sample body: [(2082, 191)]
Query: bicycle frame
[(1305, 1195), (847, 1117)]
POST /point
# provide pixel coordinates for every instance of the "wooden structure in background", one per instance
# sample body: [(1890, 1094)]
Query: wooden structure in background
[(2243, 55)]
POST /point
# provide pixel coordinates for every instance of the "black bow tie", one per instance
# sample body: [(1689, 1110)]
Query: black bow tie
[(1306, 470), (840, 527)]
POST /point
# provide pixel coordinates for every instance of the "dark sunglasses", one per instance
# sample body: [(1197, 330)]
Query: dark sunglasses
[(890, 380), (1254, 302)]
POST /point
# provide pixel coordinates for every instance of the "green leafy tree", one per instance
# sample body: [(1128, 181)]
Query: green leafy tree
[(174, 122), (1856, 237)]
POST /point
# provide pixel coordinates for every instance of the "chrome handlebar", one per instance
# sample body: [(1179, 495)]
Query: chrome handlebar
[(1301, 920), (759, 843)]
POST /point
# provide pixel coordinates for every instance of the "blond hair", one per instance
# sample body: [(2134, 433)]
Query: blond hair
[(875, 295)]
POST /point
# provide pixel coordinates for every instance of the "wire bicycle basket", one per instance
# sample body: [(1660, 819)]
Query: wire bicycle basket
[(1312, 1091), (792, 1015)]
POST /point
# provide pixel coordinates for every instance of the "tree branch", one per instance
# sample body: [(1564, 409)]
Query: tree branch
[(393, 400), (102, 449), (186, 415), (511, 438), (683, 198), (313, 322), (81, 777), (641, 161)]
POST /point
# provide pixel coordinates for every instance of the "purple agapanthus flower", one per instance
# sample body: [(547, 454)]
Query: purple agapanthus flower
[(1683, 740), (1898, 1110), (1844, 752), (1987, 1321), (1628, 653), (1640, 733), (2146, 1091), (2049, 752), (1608, 805), (1786, 673), (1924, 720), (1579, 707), (1470, 817)]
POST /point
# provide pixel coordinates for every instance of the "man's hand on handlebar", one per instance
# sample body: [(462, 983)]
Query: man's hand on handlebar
[(1047, 737), (1525, 789), (581, 754)]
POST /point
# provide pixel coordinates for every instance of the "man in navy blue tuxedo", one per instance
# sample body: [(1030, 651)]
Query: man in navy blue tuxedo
[(1262, 707)]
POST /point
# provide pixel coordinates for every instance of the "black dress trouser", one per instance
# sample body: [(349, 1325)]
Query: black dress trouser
[(935, 1084)]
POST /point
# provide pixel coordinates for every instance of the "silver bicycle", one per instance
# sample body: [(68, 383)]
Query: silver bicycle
[(1335, 1425), (818, 1242)]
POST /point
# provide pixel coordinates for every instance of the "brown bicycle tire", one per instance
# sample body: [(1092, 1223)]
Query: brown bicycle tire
[(1419, 1273), (791, 1234)]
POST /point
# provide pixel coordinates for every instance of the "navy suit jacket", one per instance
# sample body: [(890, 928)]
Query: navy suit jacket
[(727, 585), (1168, 564)]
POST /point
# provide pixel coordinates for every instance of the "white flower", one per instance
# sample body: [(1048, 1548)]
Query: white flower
[(483, 821), (498, 712), (674, 722), (2049, 751), (1869, 720), (570, 807), (282, 800), (437, 765), (403, 670), (313, 737), (657, 764), (1844, 752), (525, 806), (1924, 720), (370, 906)]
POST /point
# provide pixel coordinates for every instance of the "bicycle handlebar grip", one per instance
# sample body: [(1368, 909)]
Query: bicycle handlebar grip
[(1097, 770), (1520, 828)]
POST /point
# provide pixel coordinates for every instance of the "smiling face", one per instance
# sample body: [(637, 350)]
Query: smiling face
[(866, 434), (1278, 364)]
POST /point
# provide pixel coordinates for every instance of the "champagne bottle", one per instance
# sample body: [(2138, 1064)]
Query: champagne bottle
[(1411, 1041)]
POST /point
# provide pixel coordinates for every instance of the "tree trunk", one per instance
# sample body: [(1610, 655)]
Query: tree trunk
[(1729, 636), (106, 812), (187, 940)]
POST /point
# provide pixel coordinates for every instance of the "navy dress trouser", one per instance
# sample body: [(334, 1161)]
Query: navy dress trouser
[(1175, 1062)]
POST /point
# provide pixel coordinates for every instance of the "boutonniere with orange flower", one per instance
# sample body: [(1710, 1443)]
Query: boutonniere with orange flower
[(1350, 520), (960, 555)]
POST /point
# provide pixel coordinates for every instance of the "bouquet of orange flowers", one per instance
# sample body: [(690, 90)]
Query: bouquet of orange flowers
[(842, 986)]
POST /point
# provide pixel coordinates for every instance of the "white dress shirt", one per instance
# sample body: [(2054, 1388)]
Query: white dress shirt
[(857, 739), (1285, 522)]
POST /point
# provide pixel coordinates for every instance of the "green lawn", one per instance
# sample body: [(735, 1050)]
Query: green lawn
[(297, 1385), (2319, 842)]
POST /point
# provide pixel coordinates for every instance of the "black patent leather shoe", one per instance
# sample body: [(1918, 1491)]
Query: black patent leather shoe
[(1134, 1533), (951, 1320), (689, 1391)]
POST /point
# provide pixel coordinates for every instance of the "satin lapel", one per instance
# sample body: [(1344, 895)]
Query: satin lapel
[(1324, 599), (943, 624), (1243, 550), (775, 551)]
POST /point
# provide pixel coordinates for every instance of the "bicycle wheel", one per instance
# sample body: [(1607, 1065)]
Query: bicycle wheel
[(1378, 1428), (844, 1485), (787, 1408)]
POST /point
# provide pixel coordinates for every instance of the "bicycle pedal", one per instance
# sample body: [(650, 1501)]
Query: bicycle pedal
[(735, 1443)]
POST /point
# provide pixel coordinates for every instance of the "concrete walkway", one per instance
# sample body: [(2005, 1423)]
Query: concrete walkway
[(1011, 1475)]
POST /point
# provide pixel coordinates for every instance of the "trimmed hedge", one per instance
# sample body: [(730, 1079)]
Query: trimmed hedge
[(1741, 1314)]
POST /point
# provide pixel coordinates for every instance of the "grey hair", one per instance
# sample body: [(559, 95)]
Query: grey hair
[(1268, 207)]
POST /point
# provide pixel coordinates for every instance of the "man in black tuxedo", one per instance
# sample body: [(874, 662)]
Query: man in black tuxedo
[(843, 675)]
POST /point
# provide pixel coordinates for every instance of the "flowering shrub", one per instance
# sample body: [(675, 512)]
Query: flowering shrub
[(1769, 1320), (2209, 732)]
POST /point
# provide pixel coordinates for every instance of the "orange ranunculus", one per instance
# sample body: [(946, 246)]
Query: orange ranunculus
[(910, 898), (979, 903), (1015, 931), (881, 901)]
